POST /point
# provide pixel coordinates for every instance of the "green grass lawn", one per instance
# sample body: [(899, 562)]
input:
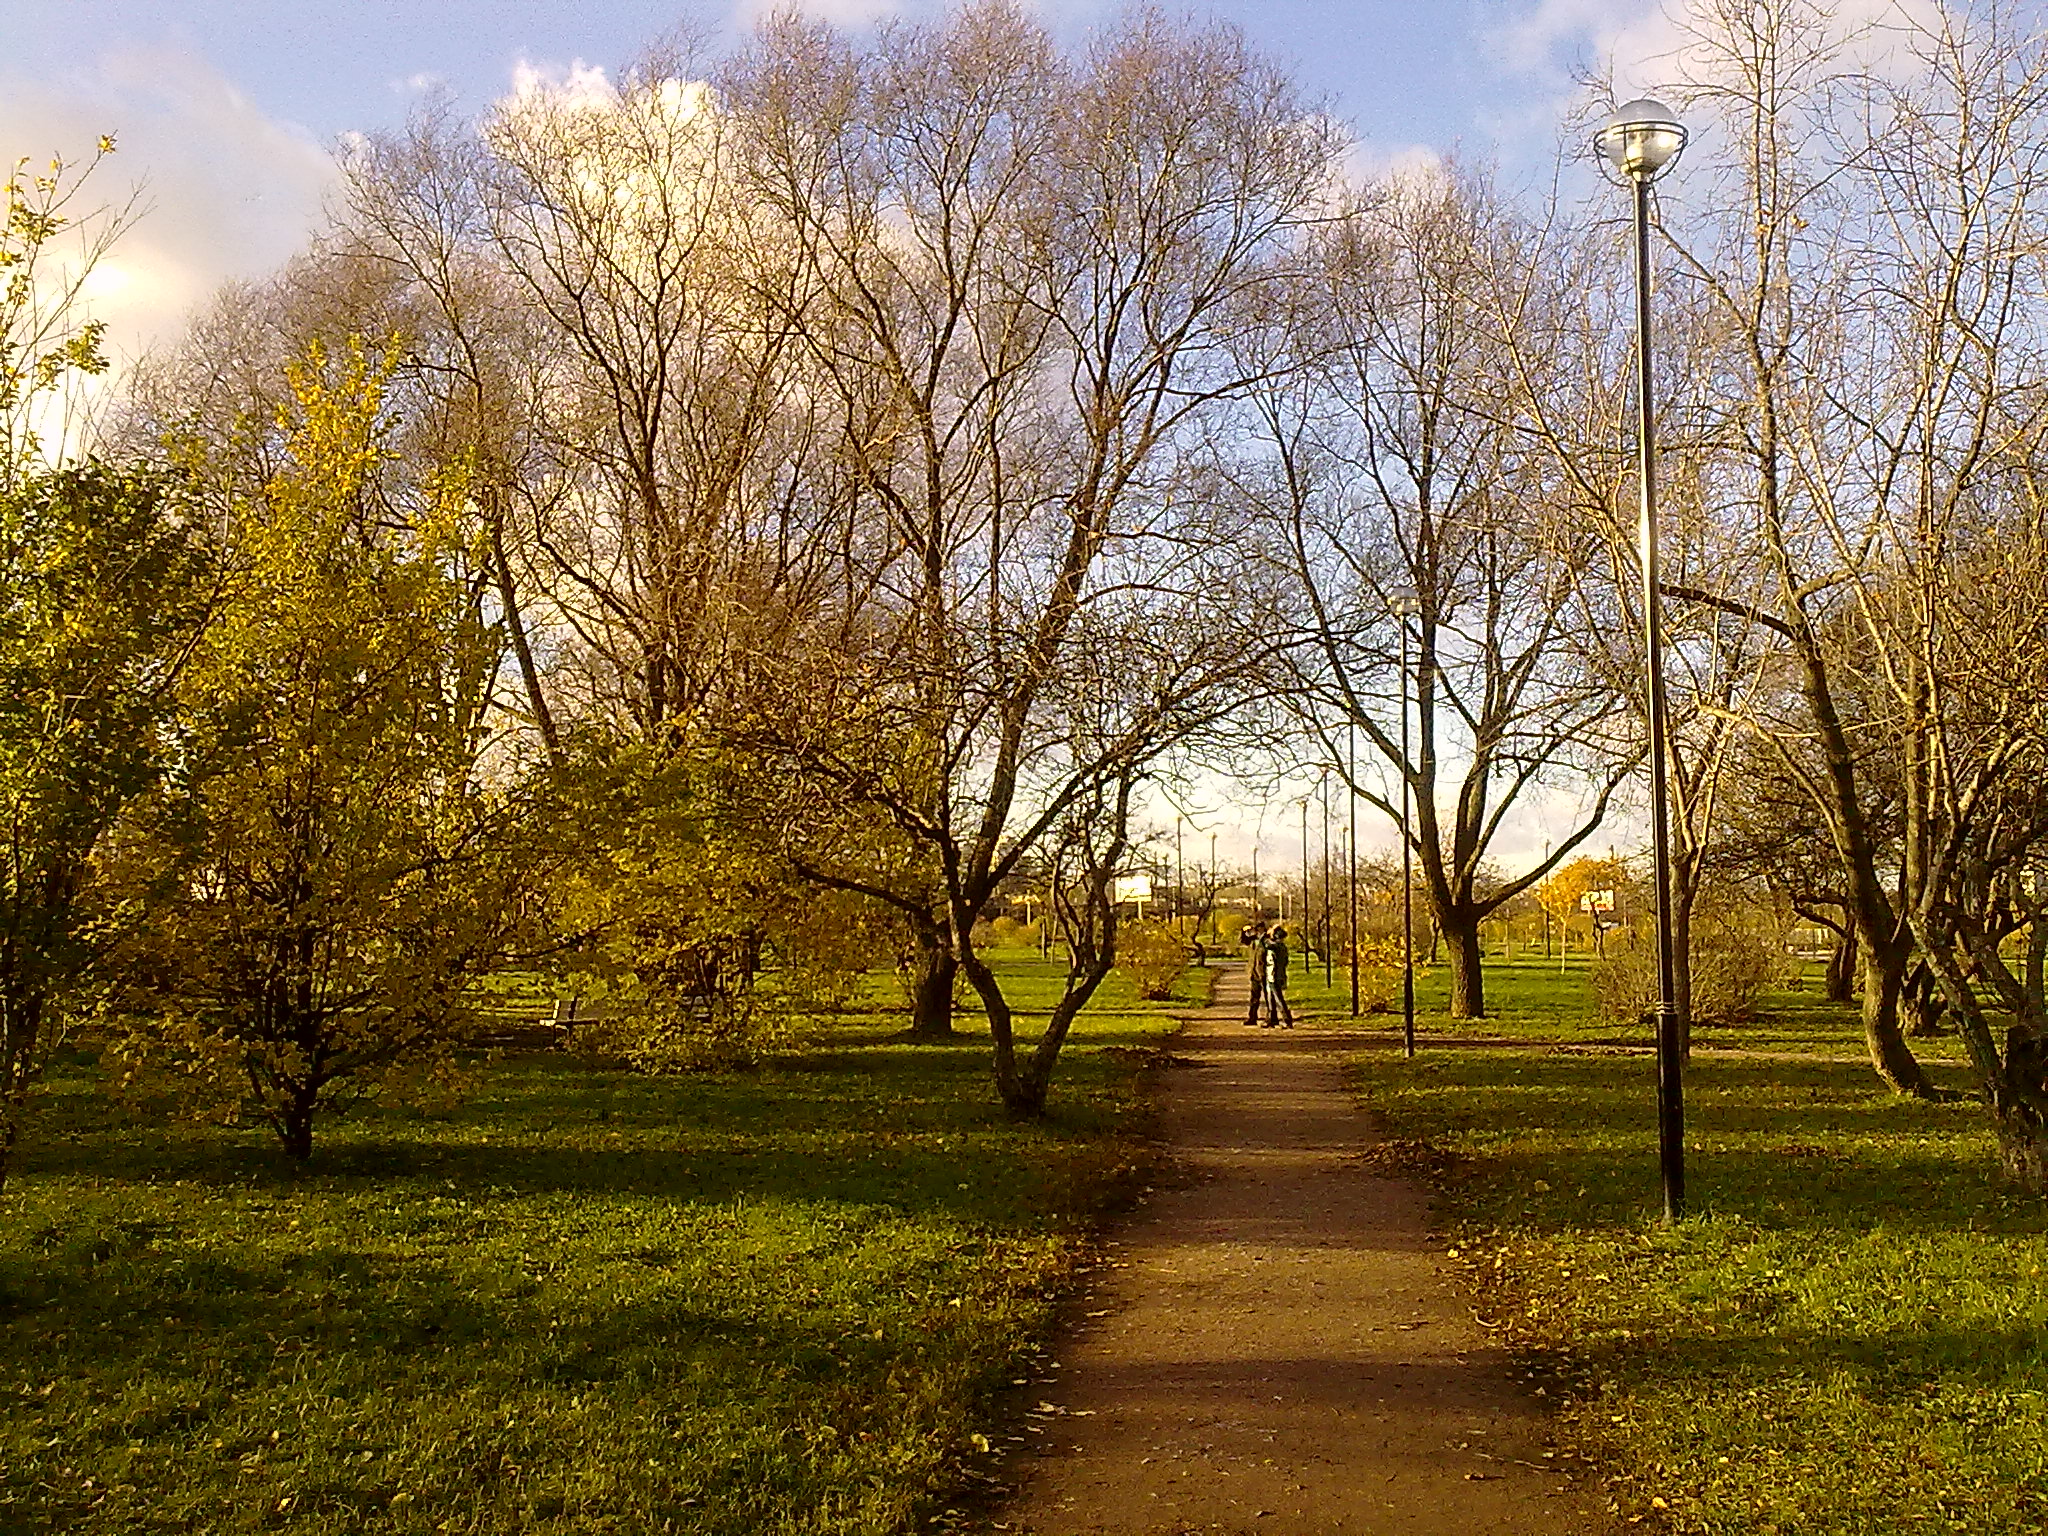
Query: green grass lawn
[(1846, 1337), (587, 1301), (1533, 999)]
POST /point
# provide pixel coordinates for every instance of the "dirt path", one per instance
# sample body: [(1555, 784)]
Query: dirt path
[(1272, 1349)]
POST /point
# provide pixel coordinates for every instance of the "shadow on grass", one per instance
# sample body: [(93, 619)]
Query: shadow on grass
[(1784, 1143), (912, 1129), (1886, 1365)]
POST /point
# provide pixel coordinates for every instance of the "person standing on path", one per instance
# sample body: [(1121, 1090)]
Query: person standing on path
[(1277, 1011), (1254, 940)]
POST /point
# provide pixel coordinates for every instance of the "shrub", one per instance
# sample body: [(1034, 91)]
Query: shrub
[(1153, 956), (1379, 973), (1733, 960), (1008, 933)]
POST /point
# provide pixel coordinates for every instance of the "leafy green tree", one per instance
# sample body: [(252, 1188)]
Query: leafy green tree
[(343, 868), (100, 591), (676, 917)]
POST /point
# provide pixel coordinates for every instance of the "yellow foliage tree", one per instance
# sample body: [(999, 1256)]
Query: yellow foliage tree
[(338, 870)]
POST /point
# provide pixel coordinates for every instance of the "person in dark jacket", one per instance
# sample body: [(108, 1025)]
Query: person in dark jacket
[(1277, 1011)]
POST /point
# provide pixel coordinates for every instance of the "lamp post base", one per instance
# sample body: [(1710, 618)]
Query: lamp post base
[(1670, 1031)]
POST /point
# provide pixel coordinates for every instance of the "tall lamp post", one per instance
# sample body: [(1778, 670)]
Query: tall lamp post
[(1641, 141), (1351, 854), (1404, 603)]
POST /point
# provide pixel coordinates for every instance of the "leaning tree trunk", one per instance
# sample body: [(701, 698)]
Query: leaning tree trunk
[(2013, 1081), (1884, 978)]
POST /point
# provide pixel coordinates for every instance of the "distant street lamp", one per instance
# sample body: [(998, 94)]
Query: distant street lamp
[(1641, 141), (1404, 603), (1178, 820), (1301, 918), (1323, 793)]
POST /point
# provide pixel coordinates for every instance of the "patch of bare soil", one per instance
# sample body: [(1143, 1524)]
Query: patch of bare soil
[(1273, 1346)]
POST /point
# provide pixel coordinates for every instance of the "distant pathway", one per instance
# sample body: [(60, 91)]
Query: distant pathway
[(1275, 1350)]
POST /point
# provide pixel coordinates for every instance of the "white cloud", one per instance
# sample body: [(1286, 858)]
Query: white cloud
[(580, 86), (226, 191), (1648, 49), (1367, 163)]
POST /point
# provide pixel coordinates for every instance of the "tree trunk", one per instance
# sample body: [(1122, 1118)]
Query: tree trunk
[(295, 1126), (931, 997), (2037, 961), (1681, 966), (515, 628), (1920, 1001), (10, 1127), (21, 1015), (1468, 977), (1842, 967), (1020, 1097), (1889, 1053)]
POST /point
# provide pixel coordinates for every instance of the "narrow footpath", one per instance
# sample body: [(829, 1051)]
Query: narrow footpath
[(1272, 1349)]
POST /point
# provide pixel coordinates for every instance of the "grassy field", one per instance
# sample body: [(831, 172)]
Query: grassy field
[(1532, 999), (585, 1301), (1845, 1339)]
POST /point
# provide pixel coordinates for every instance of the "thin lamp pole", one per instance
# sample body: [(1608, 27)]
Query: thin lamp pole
[(1325, 796), (1351, 855), (1641, 140), (1670, 1041), (1301, 917), (1176, 874), (1407, 870)]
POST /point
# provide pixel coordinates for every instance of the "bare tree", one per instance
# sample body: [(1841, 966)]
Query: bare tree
[(1029, 271), (1866, 249), (1396, 462)]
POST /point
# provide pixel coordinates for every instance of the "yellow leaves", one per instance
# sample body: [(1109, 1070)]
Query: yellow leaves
[(106, 144), (1560, 894), (336, 426)]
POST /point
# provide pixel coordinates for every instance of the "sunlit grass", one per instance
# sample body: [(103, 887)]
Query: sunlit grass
[(774, 1301), (1846, 1337), (1534, 999)]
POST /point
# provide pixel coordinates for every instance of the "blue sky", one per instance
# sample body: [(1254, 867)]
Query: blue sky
[(224, 109), (1405, 71)]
